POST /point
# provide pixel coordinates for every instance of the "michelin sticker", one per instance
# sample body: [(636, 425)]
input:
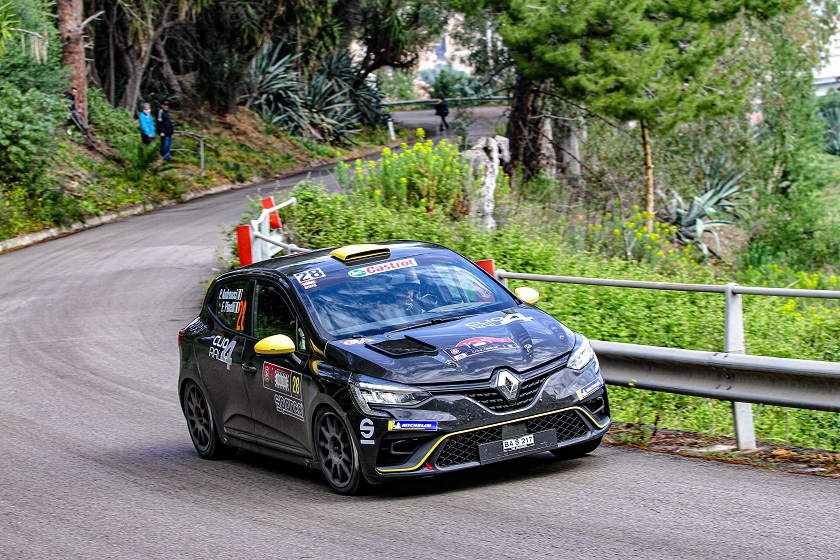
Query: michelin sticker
[(589, 389), (309, 278), (287, 384), (424, 425), (222, 349), (366, 431), (497, 321), (384, 267), (479, 344)]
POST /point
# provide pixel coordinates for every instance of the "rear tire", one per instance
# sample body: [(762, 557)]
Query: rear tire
[(202, 427), (578, 449), (337, 453)]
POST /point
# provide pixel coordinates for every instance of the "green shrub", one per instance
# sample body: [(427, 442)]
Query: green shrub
[(27, 138)]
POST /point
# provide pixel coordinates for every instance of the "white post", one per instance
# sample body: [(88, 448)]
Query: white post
[(734, 344), (391, 129)]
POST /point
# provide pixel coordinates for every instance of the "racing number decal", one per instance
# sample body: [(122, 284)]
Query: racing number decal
[(296, 385), (240, 319)]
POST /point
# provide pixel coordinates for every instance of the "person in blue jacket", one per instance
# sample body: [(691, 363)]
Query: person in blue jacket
[(147, 124)]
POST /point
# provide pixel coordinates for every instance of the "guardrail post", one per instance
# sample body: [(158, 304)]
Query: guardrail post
[(504, 281), (733, 334)]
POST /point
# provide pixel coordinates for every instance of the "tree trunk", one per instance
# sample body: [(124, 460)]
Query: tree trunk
[(166, 70), (546, 156), (570, 148), (649, 208), (73, 49), (522, 130)]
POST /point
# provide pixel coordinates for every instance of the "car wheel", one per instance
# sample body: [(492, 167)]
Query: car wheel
[(201, 426), (337, 453), (577, 450)]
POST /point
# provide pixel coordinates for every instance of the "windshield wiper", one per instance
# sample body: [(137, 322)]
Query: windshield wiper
[(435, 321)]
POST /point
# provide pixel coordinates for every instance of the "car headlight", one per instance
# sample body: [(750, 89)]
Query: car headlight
[(581, 355), (369, 391)]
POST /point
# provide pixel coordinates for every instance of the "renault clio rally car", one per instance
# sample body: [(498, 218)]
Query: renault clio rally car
[(383, 361)]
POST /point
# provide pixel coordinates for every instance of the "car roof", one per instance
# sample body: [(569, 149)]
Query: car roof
[(342, 257)]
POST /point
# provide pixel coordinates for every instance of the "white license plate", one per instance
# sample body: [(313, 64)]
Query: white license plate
[(521, 442)]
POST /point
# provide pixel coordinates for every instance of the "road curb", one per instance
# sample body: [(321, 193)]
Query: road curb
[(34, 238)]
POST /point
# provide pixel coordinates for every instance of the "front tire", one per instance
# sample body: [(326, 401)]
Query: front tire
[(337, 453), (578, 449), (202, 427)]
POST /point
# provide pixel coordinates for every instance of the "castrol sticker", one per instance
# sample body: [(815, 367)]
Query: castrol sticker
[(383, 267)]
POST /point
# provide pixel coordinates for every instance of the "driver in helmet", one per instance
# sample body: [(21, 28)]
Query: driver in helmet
[(405, 291)]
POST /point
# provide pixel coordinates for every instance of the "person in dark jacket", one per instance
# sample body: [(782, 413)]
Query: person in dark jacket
[(442, 110), (166, 128), (75, 116)]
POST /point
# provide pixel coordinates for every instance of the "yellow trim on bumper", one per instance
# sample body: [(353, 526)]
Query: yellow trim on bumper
[(438, 442)]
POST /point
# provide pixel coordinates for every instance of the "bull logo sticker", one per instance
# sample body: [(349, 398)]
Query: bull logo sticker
[(478, 345)]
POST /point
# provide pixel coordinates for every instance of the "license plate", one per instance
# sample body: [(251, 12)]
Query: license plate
[(522, 442), (520, 445)]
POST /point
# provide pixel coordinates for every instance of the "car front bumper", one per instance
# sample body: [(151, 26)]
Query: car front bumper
[(451, 432)]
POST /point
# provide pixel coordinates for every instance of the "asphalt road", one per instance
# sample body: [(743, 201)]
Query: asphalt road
[(96, 462)]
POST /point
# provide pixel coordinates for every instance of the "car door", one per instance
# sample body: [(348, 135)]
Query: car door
[(278, 385), (219, 356)]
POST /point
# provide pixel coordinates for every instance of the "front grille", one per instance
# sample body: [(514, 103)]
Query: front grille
[(490, 398), (463, 448), (568, 424)]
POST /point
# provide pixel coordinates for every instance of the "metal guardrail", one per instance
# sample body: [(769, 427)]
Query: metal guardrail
[(257, 242), (720, 375), (450, 100), (731, 375)]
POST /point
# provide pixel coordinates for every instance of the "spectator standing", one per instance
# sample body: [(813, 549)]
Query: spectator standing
[(74, 113), (442, 110), (147, 124), (166, 128)]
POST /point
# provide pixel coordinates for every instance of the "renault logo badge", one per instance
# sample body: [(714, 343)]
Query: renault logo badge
[(508, 385)]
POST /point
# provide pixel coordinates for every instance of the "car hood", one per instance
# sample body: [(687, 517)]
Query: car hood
[(462, 351)]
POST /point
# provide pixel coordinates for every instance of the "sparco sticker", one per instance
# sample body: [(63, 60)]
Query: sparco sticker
[(479, 344), (287, 384), (496, 321), (384, 267)]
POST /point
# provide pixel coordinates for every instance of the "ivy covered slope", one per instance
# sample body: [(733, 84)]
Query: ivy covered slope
[(425, 192)]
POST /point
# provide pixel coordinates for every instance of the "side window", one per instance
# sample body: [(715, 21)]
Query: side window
[(231, 304), (271, 314)]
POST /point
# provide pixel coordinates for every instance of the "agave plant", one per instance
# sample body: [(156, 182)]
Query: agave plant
[(327, 108), (831, 116), (717, 206)]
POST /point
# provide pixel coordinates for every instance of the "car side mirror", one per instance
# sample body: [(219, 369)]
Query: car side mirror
[(275, 345), (528, 295)]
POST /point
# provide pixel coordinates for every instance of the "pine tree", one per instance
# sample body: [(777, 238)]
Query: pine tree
[(655, 62)]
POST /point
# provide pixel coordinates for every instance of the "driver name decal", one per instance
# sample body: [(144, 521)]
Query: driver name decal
[(384, 267), (479, 344), (287, 384)]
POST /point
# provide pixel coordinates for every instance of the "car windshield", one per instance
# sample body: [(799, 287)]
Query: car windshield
[(397, 294)]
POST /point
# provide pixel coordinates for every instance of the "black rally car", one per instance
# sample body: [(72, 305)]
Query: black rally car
[(379, 361)]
